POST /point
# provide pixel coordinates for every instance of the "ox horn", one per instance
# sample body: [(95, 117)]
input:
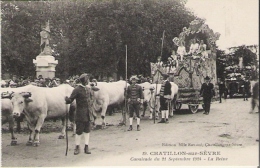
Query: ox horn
[(26, 94), (7, 95)]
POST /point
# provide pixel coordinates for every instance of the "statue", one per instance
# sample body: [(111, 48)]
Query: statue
[(240, 64), (45, 37)]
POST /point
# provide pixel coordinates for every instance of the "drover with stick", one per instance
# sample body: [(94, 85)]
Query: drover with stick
[(157, 79), (165, 98), (83, 113), (135, 99)]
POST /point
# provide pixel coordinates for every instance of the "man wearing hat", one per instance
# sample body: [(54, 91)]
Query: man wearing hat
[(83, 124), (165, 97), (207, 92), (135, 98), (222, 89), (246, 89)]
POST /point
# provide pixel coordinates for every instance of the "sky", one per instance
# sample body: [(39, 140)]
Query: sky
[(236, 20)]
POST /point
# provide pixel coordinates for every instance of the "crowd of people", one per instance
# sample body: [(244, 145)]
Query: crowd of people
[(40, 81), (23, 81)]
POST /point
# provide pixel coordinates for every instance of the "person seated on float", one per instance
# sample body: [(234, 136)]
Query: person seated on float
[(159, 62), (202, 50), (171, 65), (193, 48), (181, 51), (174, 59)]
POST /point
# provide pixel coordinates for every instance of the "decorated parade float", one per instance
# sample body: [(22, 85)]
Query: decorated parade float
[(194, 59)]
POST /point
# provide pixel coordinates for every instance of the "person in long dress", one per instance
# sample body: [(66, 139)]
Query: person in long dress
[(175, 61), (202, 50), (181, 51), (194, 47)]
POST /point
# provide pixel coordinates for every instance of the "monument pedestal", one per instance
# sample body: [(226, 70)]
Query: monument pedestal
[(45, 66)]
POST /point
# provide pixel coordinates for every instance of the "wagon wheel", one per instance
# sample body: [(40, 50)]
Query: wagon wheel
[(193, 108), (178, 105)]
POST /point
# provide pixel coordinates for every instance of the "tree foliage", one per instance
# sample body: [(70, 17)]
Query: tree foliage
[(249, 58), (221, 63), (90, 36)]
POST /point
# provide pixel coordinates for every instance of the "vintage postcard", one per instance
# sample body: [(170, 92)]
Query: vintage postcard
[(136, 83)]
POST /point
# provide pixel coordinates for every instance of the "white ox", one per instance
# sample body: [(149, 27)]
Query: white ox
[(6, 116), (108, 94), (39, 104), (7, 109), (149, 96)]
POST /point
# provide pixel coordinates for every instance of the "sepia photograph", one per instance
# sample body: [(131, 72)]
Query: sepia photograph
[(134, 83)]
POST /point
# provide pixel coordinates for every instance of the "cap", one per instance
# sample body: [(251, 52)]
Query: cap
[(83, 76), (134, 77)]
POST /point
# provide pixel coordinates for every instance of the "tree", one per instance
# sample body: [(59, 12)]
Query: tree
[(90, 36), (249, 58), (221, 63)]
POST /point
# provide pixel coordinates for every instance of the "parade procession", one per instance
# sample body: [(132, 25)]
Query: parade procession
[(125, 83)]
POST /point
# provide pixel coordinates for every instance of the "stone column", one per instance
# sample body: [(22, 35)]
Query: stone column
[(45, 66)]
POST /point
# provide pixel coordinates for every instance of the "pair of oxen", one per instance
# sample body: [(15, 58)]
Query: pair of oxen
[(38, 104)]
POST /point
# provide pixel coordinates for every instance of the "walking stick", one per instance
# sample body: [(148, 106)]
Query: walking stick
[(66, 129), (157, 82), (155, 104), (124, 115)]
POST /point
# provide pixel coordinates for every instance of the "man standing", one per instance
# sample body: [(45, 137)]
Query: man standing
[(255, 97), (222, 89), (83, 100), (135, 99), (207, 92), (165, 98), (246, 89)]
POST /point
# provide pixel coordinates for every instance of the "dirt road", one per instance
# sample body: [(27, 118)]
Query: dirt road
[(225, 137)]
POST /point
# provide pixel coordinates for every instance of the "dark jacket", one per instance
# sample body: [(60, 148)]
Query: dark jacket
[(222, 87), (255, 91), (207, 91), (134, 92), (166, 89), (83, 102), (246, 86)]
